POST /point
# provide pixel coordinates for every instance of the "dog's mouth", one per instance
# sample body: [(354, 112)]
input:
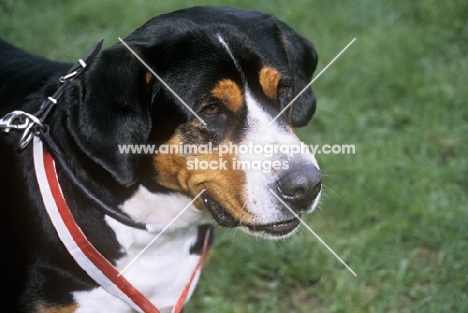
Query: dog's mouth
[(224, 218), (275, 229), (219, 213)]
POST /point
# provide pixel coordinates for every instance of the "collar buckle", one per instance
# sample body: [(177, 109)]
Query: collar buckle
[(20, 120)]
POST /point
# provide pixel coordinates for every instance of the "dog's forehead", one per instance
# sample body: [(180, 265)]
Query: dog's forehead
[(256, 73), (217, 63)]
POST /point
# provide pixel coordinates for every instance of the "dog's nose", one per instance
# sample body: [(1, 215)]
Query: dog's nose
[(300, 186)]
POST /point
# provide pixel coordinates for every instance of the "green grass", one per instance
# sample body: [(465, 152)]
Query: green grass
[(396, 211)]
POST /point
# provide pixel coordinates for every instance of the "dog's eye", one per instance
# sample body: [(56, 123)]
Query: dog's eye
[(211, 109), (284, 89)]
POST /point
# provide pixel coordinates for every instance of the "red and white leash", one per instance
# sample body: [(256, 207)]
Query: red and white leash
[(84, 253)]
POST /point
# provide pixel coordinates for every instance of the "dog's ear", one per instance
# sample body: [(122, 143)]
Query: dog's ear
[(302, 60), (109, 105)]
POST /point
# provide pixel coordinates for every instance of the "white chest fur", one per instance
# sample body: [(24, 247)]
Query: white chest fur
[(164, 269)]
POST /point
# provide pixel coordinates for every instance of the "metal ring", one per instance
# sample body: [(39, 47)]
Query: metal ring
[(26, 137)]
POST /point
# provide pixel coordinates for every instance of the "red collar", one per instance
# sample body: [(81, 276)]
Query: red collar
[(84, 253)]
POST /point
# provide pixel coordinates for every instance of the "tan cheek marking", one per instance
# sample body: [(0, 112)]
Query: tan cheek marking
[(43, 307), (227, 186), (229, 93), (172, 168), (269, 80)]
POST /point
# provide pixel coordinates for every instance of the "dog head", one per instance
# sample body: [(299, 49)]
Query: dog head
[(236, 71)]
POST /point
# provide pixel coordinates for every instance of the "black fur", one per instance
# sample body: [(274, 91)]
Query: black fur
[(111, 104)]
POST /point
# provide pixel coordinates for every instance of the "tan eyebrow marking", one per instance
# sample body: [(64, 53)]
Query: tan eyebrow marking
[(229, 93), (269, 79)]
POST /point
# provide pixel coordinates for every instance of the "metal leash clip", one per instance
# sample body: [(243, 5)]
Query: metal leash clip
[(21, 121)]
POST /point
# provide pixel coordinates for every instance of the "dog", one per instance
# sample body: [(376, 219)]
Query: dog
[(212, 76)]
